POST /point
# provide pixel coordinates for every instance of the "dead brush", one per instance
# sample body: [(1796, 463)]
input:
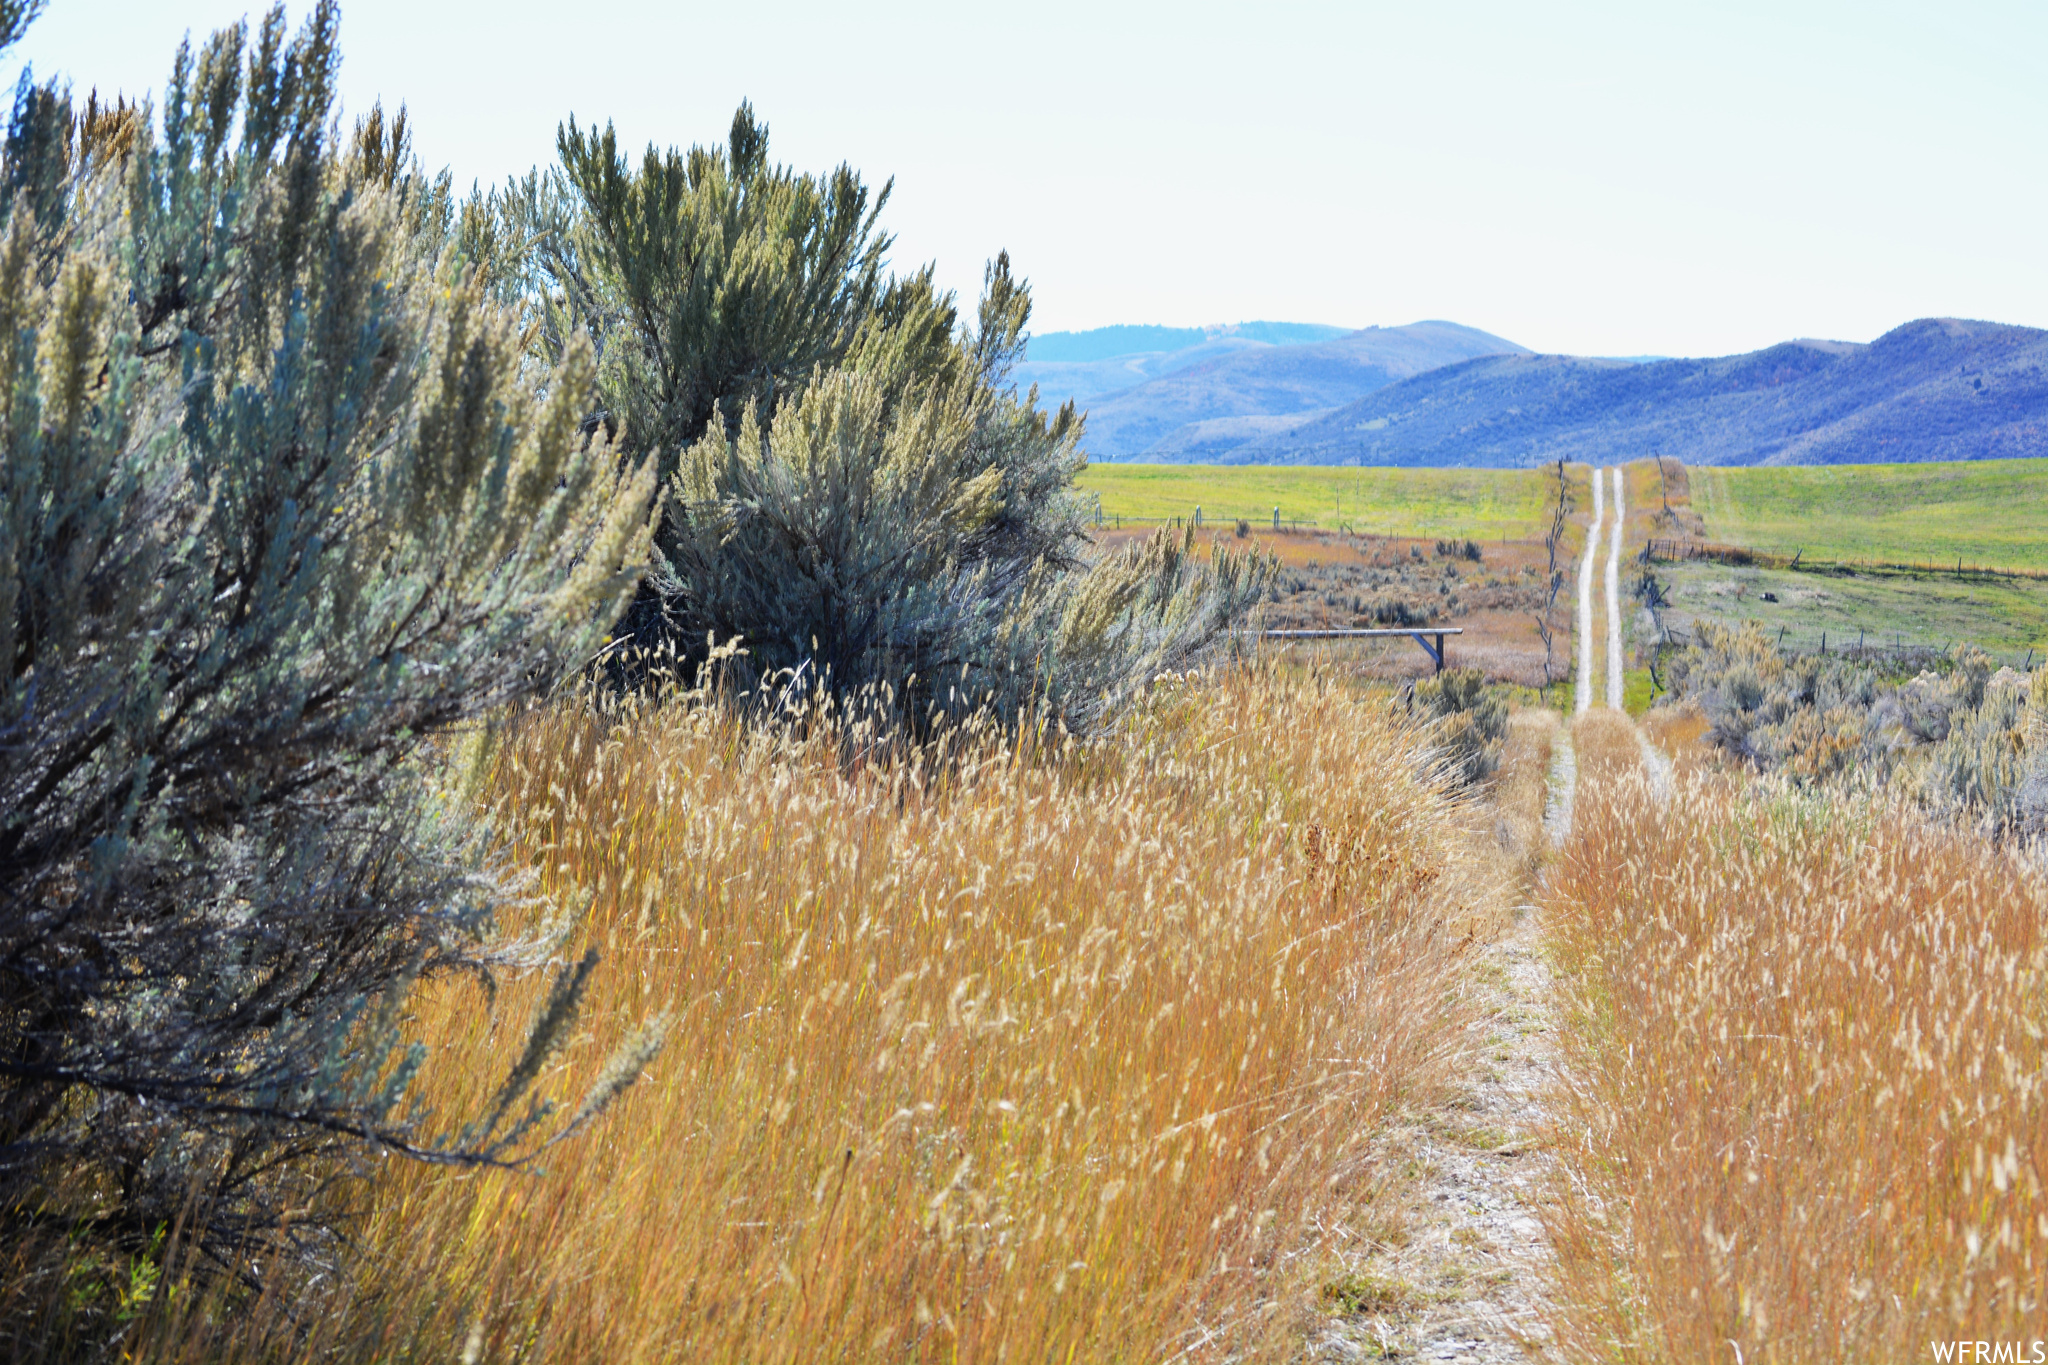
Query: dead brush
[(1810, 1056), (1028, 1050)]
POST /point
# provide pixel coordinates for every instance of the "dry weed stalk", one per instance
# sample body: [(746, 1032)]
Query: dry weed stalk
[(1030, 1052), (1522, 790), (1808, 1109), (1680, 732)]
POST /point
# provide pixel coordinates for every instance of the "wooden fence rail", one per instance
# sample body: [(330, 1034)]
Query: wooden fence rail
[(1436, 654)]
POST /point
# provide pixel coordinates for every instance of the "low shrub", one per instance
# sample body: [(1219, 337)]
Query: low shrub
[(1469, 719), (1957, 737)]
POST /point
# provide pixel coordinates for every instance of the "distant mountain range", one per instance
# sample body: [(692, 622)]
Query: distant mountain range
[(1435, 393), (1086, 365), (1233, 385)]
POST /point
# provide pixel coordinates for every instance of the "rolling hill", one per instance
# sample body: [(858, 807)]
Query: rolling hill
[(1086, 365), (1933, 389), (1246, 391)]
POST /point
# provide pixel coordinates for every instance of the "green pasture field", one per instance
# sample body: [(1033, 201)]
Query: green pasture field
[(1479, 504), (2005, 617), (1991, 513)]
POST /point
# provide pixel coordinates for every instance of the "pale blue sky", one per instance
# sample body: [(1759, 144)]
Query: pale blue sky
[(1598, 178)]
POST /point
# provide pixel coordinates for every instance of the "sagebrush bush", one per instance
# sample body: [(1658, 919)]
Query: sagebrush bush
[(277, 500), (1957, 739), (857, 493), (1471, 721)]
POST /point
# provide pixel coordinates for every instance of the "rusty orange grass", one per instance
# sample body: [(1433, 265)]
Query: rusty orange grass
[(1060, 1053), (1808, 1119)]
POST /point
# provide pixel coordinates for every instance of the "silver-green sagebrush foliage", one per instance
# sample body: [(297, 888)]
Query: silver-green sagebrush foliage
[(856, 493), (281, 494), (306, 462), (1965, 741)]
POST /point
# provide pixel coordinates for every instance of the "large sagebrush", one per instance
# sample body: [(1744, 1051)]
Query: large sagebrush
[(857, 493), (278, 499)]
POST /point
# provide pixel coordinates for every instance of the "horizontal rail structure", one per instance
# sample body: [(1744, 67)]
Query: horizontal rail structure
[(1420, 634)]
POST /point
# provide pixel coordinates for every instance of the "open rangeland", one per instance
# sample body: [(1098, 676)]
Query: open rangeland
[(1809, 610), (1234, 1035), (1241, 1031), (589, 779), (1850, 555), (1480, 504), (1463, 548), (1983, 513), (1875, 549)]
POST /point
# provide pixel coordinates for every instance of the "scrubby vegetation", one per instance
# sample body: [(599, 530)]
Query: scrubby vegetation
[(458, 644), (312, 474), (1469, 721), (1960, 738), (278, 497), (1363, 582), (855, 491)]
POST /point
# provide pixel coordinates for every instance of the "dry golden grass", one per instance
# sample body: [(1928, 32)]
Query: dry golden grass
[(1806, 1118), (1522, 790), (1066, 1054), (1680, 731), (1605, 745)]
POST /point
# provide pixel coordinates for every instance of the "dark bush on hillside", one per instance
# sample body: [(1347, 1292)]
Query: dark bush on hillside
[(1470, 719), (857, 493), (275, 503)]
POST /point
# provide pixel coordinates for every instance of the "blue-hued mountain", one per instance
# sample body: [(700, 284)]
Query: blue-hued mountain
[(1111, 343), (1934, 389), (1235, 385), (1084, 366)]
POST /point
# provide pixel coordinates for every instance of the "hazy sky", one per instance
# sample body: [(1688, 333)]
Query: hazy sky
[(1681, 179)]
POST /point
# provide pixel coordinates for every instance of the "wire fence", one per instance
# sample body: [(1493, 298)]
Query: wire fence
[(1889, 647), (1678, 551)]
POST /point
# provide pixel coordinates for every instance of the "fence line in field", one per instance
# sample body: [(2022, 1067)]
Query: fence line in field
[(1673, 551)]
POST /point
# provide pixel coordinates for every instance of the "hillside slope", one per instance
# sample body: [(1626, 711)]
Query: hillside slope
[(1933, 389), (1203, 410), (1085, 365)]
